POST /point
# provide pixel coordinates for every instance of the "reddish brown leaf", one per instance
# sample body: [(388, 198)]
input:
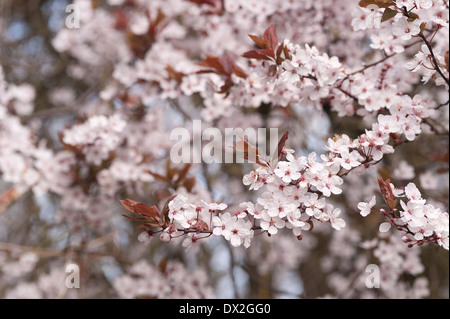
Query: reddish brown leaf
[(140, 219), (165, 210), (189, 183), (213, 62), (147, 211), (446, 58), (162, 266), (148, 215), (158, 176), (440, 157), (182, 174), (262, 54), (258, 41), (385, 187), (200, 225), (170, 171), (159, 18), (9, 197), (128, 204), (238, 71), (205, 71), (147, 222), (279, 154), (227, 61), (287, 54), (270, 37), (386, 192), (161, 194), (443, 170), (74, 149), (278, 55), (226, 87), (121, 20), (384, 173), (250, 152), (174, 74), (212, 3)]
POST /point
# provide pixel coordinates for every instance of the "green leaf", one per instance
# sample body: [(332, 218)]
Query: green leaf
[(365, 3), (378, 3), (385, 3), (412, 16), (423, 25), (388, 14)]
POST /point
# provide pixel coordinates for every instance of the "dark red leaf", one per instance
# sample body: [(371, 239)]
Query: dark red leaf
[(158, 176), (189, 183), (182, 174), (162, 266), (270, 37), (165, 210), (278, 55), (238, 71), (440, 157), (386, 192), (200, 225), (262, 54), (213, 62), (212, 3), (121, 20), (128, 204), (147, 211), (281, 143), (174, 74), (258, 41)]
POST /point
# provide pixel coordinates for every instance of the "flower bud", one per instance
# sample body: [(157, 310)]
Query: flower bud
[(165, 237), (406, 239)]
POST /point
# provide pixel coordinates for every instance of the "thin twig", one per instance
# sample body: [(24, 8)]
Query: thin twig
[(232, 265), (9, 197), (433, 58), (177, 106), (41, 252)]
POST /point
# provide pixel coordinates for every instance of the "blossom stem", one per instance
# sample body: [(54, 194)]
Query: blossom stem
[(433, 58)]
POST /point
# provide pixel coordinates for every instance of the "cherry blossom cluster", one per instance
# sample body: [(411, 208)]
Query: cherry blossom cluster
[(96, 138), (370, 79), (173, 74), (46, 286), (172, 280), (19, 266), (304, 75), (398, 22), (395, 262), (401, 271), (291, 201), (297, 188), (17, 144), (420, 222)]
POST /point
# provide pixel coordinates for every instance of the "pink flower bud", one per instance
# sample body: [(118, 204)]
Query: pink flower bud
[(165, 237)]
